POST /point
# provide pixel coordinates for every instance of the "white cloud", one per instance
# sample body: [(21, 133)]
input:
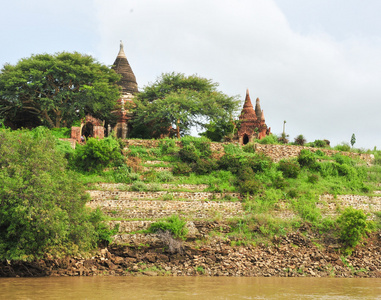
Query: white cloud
[(323, 87)]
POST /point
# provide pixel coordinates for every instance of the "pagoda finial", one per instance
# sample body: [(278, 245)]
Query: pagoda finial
[(247, 100), (121, 51), (258, 110)]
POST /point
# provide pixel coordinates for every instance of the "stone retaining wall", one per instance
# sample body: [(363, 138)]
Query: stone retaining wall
[(161, 209), (330, 205), (164, 186), (125, 195), (278, 152), (155, 143)]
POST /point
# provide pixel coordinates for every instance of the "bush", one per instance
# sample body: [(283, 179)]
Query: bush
[(164, 176), (290, 169), (300, 140), (42, 205), (168, 146), (189, 154), (233, 149), (139, 186), (313, 178), (202, 145), (353, 226), (307, 159), (204, 166), (251, 186), (61, 133), (343, 147), (259, 162), (269, 139), (230, 163), (122, 174), (280, 183), (104, 233), (97, 154), (320, 144), (181, 168), (173, 224), (249, 148)]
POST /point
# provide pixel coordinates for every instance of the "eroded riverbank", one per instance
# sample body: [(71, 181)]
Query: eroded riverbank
[(292, 256)]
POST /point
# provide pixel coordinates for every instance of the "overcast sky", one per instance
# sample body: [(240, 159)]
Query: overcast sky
[(315, 64)]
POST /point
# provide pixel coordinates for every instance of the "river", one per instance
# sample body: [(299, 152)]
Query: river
[(189, 288)]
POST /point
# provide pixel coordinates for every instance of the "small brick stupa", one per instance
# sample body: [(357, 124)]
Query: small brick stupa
[(252, 122)]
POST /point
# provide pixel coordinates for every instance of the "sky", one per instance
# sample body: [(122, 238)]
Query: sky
[(315, 64)]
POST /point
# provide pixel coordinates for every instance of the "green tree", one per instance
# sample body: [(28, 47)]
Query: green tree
[(216, 131), (56, 90), (42, 206), (353, 139), (182, 102)]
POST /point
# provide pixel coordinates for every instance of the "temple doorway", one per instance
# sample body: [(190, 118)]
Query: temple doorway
[(87, 130), (245, 139)]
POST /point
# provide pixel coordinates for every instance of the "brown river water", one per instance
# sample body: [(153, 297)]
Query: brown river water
[(189, 288)]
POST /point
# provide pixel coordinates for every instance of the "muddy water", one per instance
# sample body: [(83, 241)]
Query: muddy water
[(188, 288)]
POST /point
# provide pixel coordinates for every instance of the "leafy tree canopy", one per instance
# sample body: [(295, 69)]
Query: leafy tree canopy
[(182, 102), (42, 206), (56, 90)]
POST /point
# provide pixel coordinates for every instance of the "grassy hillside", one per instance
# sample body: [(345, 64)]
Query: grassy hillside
[(184, 188)]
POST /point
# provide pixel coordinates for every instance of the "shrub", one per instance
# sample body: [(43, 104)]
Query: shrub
[(139, 186), (353, 226), (328, 169), (280, 183), (313, 178), (290, 169), (249, 148), (300, 140), (307, 159), (252, 186), (42, 205), (168, 146), (122, 174), (181, 168), (164, 176), (233, 149), (137, 151), (96, 154), (204, 166), (283, 138), (173, 224), (61, 133), (269, 139), (345, 170), (189, 154), (343, 147), (319, 144), (230, 163), (202, 144), (103, 232), (259, 162), (342, 159)]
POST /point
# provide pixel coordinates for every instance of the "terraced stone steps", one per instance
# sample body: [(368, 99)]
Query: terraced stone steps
[(160, 209), (135, 211), (98, 196)]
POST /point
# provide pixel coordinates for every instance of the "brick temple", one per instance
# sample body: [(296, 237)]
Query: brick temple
[(252, 122)]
